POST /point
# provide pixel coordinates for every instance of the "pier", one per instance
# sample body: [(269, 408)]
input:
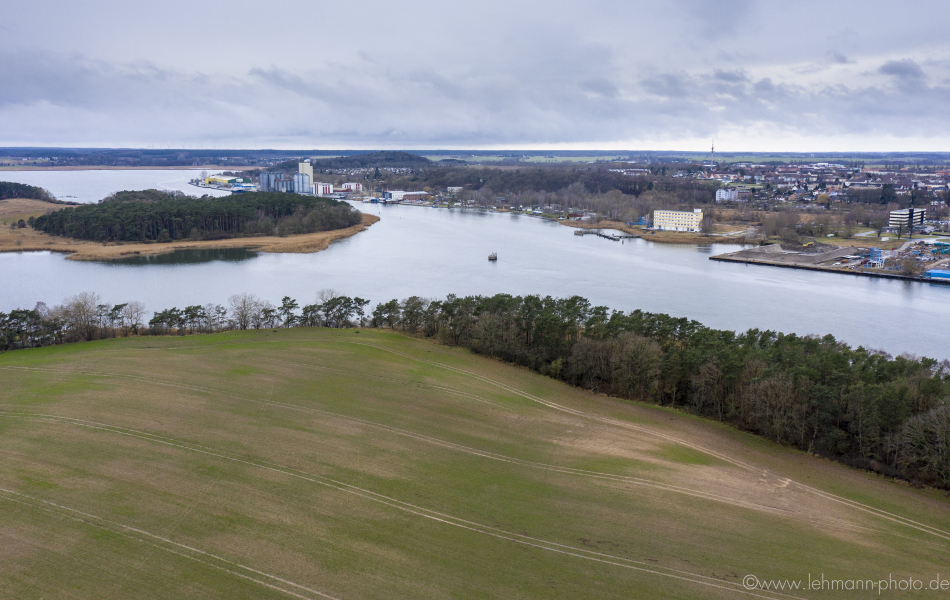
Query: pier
[(607, 236)]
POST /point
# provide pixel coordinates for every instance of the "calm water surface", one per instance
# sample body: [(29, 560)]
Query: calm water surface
[(92, 186), (434, 252)]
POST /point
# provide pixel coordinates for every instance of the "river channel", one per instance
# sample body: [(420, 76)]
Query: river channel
[(433, 252)]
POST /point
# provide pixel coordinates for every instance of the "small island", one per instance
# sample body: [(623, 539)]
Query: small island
[(155, 222)]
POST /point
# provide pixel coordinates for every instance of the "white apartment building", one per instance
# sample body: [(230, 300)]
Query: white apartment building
[(907, 218), (675, 220), (727, 194)]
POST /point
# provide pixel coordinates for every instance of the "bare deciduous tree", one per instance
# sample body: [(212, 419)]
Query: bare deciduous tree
[(245, 309), (81, 312)]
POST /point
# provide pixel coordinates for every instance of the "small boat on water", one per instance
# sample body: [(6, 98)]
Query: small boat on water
[(493, 256)]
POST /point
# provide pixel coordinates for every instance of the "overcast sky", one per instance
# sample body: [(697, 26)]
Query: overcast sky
[(761, 76)]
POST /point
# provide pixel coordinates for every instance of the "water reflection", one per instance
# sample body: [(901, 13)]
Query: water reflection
[(189, 256)]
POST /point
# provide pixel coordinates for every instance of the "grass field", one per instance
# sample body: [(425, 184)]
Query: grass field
[(312, 463)]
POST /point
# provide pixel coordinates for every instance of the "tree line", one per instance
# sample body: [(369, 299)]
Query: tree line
[(862, 407), (154, 215), (9, 189)]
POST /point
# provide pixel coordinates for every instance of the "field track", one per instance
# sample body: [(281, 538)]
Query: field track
[(315, 463)]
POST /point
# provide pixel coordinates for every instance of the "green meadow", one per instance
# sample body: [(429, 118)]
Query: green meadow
[(318, 463)]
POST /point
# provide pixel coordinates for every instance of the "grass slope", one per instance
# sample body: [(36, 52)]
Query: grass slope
[(315, 463)]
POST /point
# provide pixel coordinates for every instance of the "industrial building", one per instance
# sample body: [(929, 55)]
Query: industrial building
[(907, 218), (305, 168), (399, 196), (416, 196), (322, 189), (353, 187), (300, 183), (675, 220), (269, 181)]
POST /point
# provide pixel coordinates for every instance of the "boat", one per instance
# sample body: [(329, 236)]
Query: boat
[(493, 256)]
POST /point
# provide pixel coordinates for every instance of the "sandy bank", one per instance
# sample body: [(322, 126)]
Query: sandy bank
[(30, 240)]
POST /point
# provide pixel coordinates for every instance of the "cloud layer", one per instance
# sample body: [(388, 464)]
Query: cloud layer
[(753, 75)]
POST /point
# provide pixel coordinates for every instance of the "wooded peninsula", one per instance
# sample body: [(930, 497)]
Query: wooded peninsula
[(153, 215)]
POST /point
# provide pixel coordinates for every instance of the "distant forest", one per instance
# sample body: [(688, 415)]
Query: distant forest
[(153, 215), (864, 408)]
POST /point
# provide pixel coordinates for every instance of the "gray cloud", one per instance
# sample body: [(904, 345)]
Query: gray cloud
[(734, 76), (839, 58), (905, 69), (496, 74)]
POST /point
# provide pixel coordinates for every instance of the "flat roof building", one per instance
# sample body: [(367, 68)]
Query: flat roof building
[(305, 168), (675, 220), (907, 218), (727, 195)]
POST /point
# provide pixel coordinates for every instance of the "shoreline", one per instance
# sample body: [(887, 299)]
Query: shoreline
[(661, 237), (764, 263), (30, 240)]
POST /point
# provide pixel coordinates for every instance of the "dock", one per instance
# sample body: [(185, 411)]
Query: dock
[(606, 236), (807, 267)]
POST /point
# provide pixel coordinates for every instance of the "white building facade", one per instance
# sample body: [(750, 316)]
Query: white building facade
[(907, 218), (322, 189), (727, 195), (675, 220)]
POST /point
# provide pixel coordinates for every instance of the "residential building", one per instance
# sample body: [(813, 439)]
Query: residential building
[(675, 220), (907, 218), (727, 194)]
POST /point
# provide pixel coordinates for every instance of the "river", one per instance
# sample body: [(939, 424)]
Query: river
[(433, 252), (93, 185)]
